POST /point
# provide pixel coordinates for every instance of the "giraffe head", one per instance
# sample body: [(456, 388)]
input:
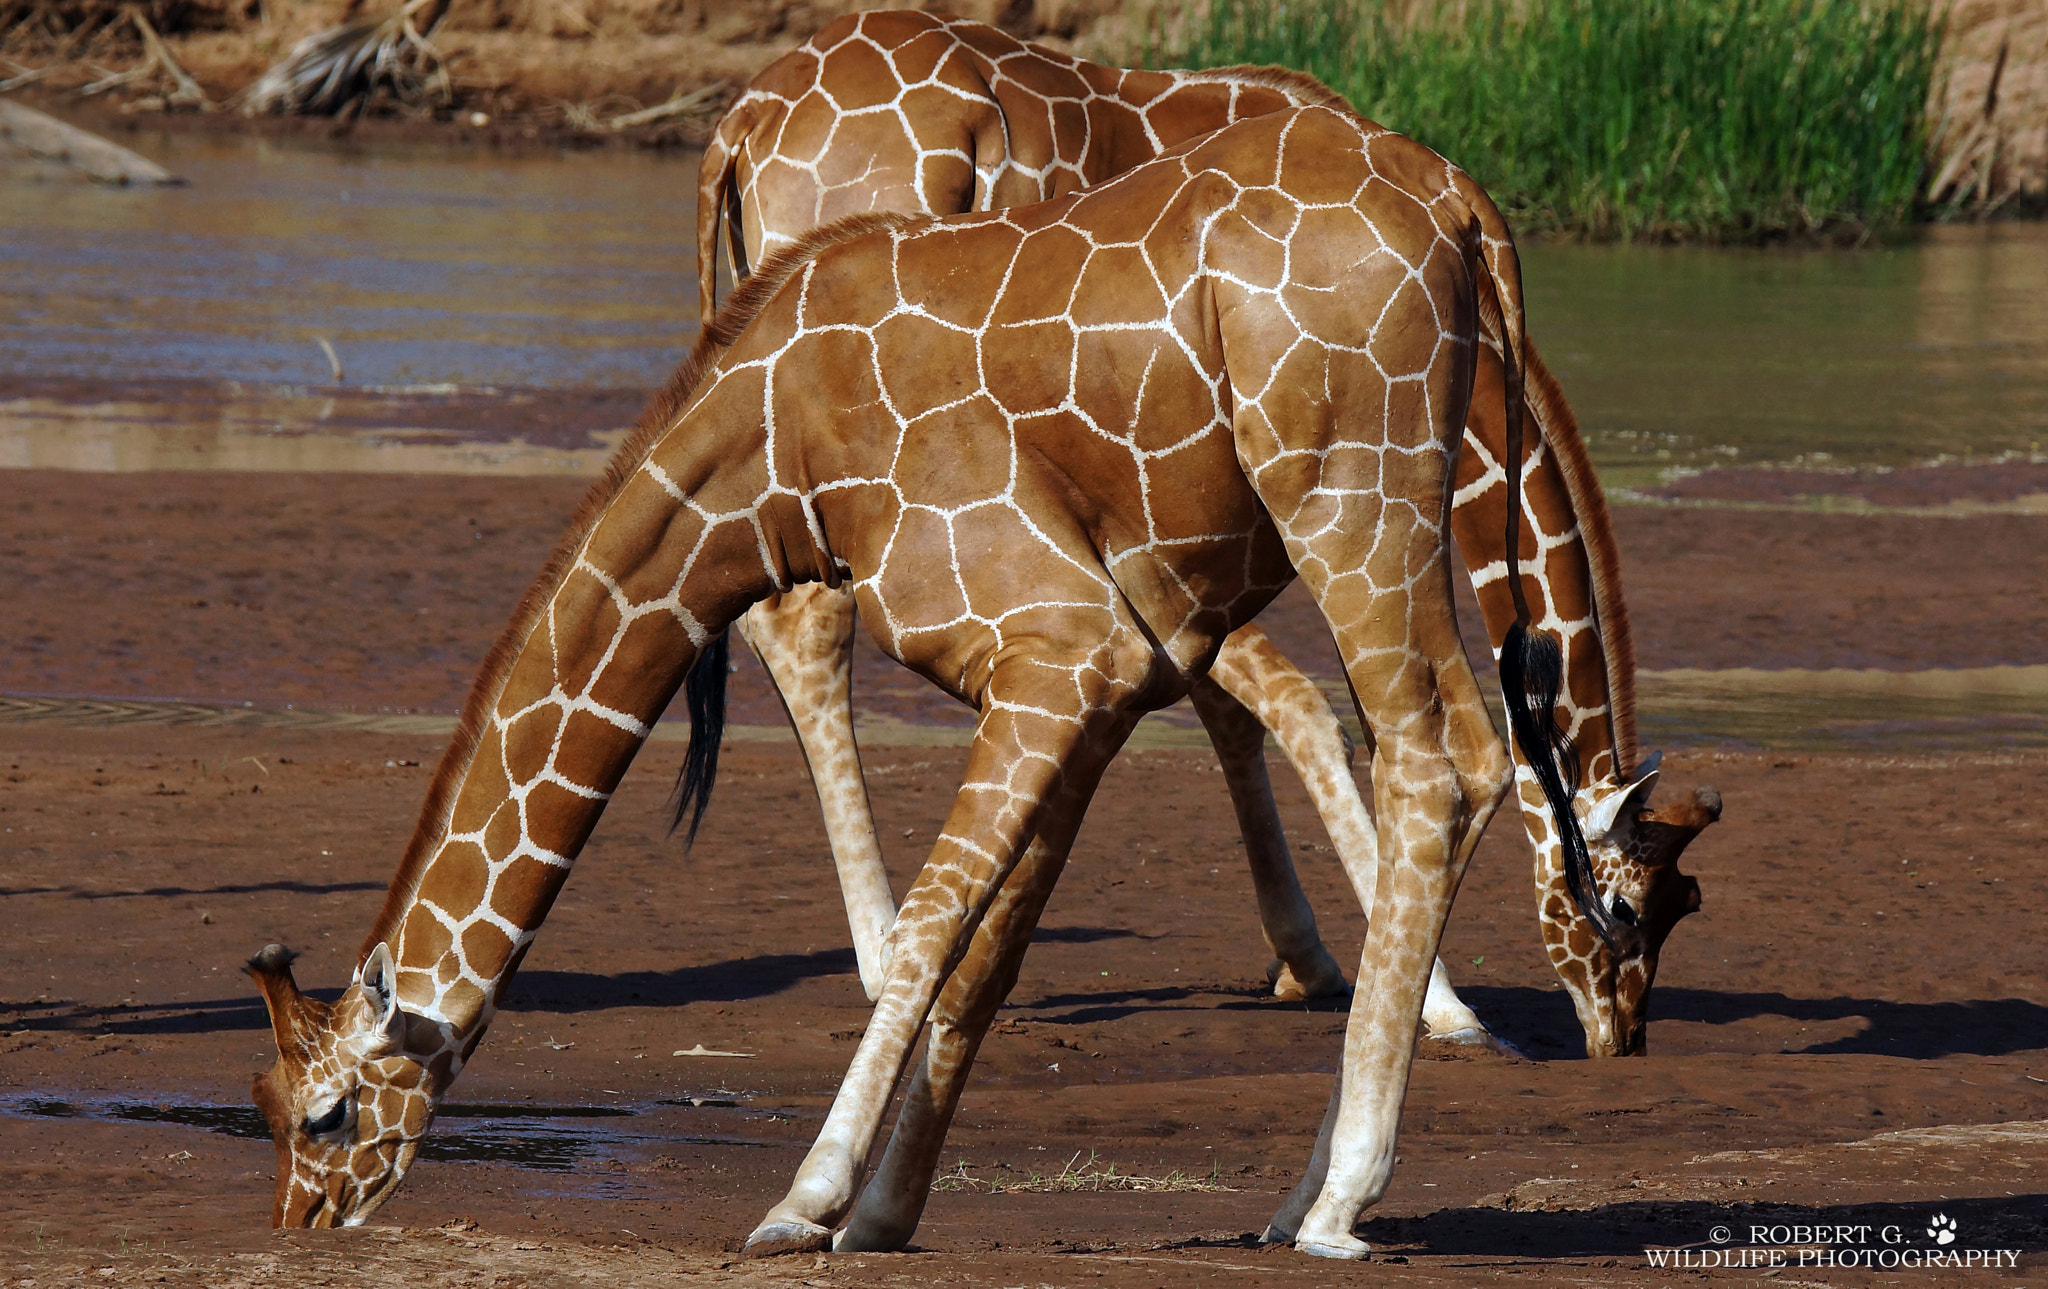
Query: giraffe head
[(1635, 854), (346, 1106)]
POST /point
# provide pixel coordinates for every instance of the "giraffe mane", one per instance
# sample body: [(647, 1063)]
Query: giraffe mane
[(661, 413), (1300, 85), (1561, 432)]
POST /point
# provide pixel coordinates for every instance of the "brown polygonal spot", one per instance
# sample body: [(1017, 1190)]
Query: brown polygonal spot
[(956, 457), (917, 585), (924, 364), (856, 75), (455, 881), (1116, 288), (945, 271), (485, 948), (1042, 282), (524, 886), (1026, 366)]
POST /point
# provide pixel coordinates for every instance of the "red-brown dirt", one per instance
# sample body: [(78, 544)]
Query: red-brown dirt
[(1868, 961)]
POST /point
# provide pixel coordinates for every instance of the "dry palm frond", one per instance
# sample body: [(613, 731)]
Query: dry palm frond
[(331, 69)]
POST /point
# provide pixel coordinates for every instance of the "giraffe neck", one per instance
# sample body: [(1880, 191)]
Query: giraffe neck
[(1568, 570), (648, 578)]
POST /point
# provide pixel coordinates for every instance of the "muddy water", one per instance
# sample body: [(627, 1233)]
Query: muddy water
[(1694, 358), (439, 272), (420, 266)]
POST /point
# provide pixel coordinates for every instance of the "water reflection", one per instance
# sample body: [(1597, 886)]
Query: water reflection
[(448, 265), (1690, 357), (419, 264)]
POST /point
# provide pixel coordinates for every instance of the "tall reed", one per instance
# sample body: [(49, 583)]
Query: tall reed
[(1714, 119)]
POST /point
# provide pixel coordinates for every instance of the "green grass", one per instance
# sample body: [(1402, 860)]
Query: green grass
[(1722, 120)]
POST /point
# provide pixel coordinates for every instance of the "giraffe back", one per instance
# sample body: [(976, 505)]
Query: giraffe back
[(912, 112)]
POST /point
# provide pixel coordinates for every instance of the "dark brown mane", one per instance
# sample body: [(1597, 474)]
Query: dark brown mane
[(1561, 432), (661, 414)]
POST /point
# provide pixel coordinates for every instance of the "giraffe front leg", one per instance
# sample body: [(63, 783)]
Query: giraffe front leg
[(1302, 967), (1033, 744), (893, 1202), (805, 640)]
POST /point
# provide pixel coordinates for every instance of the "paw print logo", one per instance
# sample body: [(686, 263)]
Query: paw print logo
[(1942, 1230)]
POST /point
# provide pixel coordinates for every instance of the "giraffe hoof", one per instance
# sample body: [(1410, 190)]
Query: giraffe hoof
[(1274, 1235), (773, 1239), (1479, 1036), (1321, 980), (1351, 1248)]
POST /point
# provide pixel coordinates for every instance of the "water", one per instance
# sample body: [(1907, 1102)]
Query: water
[(442, 266), (546, 1138), (1695, 358), (419, 265)]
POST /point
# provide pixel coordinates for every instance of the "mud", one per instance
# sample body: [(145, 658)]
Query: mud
[(1867, 965)]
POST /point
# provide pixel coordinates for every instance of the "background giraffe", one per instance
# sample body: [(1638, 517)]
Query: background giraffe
[(1271, 386), (906, 111)]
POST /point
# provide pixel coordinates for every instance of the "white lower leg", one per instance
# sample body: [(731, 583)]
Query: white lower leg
[(804, 639)]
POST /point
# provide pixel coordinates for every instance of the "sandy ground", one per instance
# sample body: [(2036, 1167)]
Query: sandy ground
[(1865, 990)]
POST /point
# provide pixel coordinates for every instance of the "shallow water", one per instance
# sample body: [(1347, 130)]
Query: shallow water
[(446, 266), (1696, 357), (419, 265), (546, 1138)]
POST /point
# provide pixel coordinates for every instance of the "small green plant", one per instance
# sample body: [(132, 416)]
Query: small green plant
[(1088, 1176), (1725, 120)]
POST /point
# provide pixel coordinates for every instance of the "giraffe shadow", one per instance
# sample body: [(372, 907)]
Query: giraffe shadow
[(1542, 1023), (166, 892), (734, 980), (1917, 1031)]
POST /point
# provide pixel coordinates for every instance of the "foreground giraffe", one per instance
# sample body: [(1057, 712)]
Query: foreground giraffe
[(908, 112), (1231, 366)]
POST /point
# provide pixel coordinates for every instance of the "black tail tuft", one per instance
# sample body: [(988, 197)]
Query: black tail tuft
[(1531, 677), (705, 693)]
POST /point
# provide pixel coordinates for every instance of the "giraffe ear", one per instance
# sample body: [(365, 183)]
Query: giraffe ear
[(1600, 820), (378, 979)]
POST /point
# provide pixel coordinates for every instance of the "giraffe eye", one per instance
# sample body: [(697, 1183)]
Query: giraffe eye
[(328, 1122), (1624, 911)]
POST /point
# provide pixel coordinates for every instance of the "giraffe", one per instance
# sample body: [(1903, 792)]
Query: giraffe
[(925, 114), (1238, 364)]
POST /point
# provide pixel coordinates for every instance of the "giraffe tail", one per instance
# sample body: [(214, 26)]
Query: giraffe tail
[(704, 691), (1531, 661), (718, 205)]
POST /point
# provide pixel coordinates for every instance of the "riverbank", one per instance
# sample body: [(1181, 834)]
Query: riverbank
[(547, 72)]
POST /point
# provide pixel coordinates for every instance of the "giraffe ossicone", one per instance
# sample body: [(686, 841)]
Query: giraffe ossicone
[(884, 111)]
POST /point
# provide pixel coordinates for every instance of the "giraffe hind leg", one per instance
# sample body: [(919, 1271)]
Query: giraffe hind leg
[(805, 640), (1303, 968), (1252, 670)]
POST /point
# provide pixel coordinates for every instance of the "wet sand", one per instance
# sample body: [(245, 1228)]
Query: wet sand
[(1867, 963)]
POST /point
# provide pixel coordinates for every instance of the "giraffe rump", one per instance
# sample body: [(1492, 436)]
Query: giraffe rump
[(661, 414)]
